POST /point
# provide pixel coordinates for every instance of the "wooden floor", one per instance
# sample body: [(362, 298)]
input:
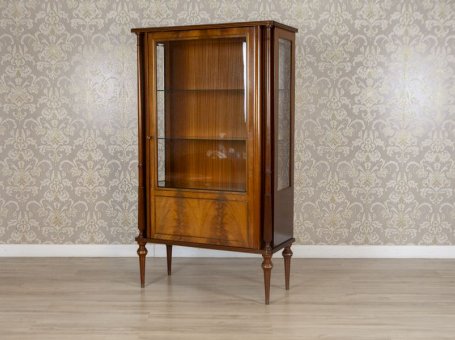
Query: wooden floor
[(91, 298)]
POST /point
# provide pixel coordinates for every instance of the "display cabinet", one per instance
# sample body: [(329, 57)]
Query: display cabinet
[(216, 140)]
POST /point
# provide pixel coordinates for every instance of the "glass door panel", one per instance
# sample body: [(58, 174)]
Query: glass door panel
[(201, 114)]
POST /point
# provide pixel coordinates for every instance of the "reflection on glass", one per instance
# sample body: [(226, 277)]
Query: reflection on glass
[(160, 109), (203, 164), (201, 114), (284, 114)]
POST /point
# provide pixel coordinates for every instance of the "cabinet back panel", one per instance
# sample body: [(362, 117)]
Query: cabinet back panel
[(206, 64), (204, 131), (201, 221), (205, 164), (206, 113)]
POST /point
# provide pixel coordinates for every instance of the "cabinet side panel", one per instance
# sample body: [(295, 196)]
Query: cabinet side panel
[(283, 216)]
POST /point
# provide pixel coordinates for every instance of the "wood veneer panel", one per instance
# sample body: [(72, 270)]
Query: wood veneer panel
[(206, 113), (227, 25), (206, 64), (202, 221)]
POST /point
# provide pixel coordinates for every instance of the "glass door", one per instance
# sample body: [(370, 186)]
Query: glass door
[(201, 123)]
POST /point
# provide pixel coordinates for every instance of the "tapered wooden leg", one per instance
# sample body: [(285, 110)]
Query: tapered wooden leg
[(169, 258), (142, 252), (287, 254), (267, 268)]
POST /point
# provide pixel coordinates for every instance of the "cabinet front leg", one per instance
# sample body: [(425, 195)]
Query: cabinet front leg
[(169, 258), (267, 268), (142, 252), (287, 254)]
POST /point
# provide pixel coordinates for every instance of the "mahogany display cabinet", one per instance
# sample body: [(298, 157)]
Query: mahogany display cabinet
[(216, 139)]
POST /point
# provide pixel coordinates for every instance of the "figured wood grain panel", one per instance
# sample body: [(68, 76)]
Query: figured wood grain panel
[(206, 64), (201, 221), (206, 113)]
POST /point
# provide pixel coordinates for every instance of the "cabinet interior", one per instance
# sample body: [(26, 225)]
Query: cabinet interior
[(202, 114)]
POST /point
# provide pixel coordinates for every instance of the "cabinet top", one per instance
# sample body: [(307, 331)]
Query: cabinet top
[(269, 23)]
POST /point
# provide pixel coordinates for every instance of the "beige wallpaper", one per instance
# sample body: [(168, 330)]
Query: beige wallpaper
[(375, 153)]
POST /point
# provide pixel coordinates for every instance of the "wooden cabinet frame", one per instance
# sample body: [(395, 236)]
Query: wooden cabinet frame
[(267, 227)]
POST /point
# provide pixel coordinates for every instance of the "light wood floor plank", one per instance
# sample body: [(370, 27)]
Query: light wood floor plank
[(77, 298)]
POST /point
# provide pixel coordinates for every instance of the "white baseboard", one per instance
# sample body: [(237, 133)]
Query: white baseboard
[(68, 250), (373, 252), (300, 251)]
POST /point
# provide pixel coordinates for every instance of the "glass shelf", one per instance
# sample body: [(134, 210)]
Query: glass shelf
[(202, 163), (200, 185), (200, 90), (218, 139)]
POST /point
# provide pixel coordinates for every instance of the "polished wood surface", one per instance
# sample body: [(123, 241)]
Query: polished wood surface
[(142, 253), (206, 114), (268, 23), (220, 247), (142, 123), (287, 254), (220, 221), (267, 266), (98, 298), (204, 130), (215, 137), (169, 258), (267, 121), (205, 153), (205, 64)]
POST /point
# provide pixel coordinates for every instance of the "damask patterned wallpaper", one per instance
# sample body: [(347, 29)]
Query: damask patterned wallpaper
[(375, 89)]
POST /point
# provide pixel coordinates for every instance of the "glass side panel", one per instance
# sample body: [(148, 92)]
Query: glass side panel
[(284, 114), (201, 114)]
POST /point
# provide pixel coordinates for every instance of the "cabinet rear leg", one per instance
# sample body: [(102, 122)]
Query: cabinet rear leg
[(287, 254), (267, 268), (142, 252), (169, 258)]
